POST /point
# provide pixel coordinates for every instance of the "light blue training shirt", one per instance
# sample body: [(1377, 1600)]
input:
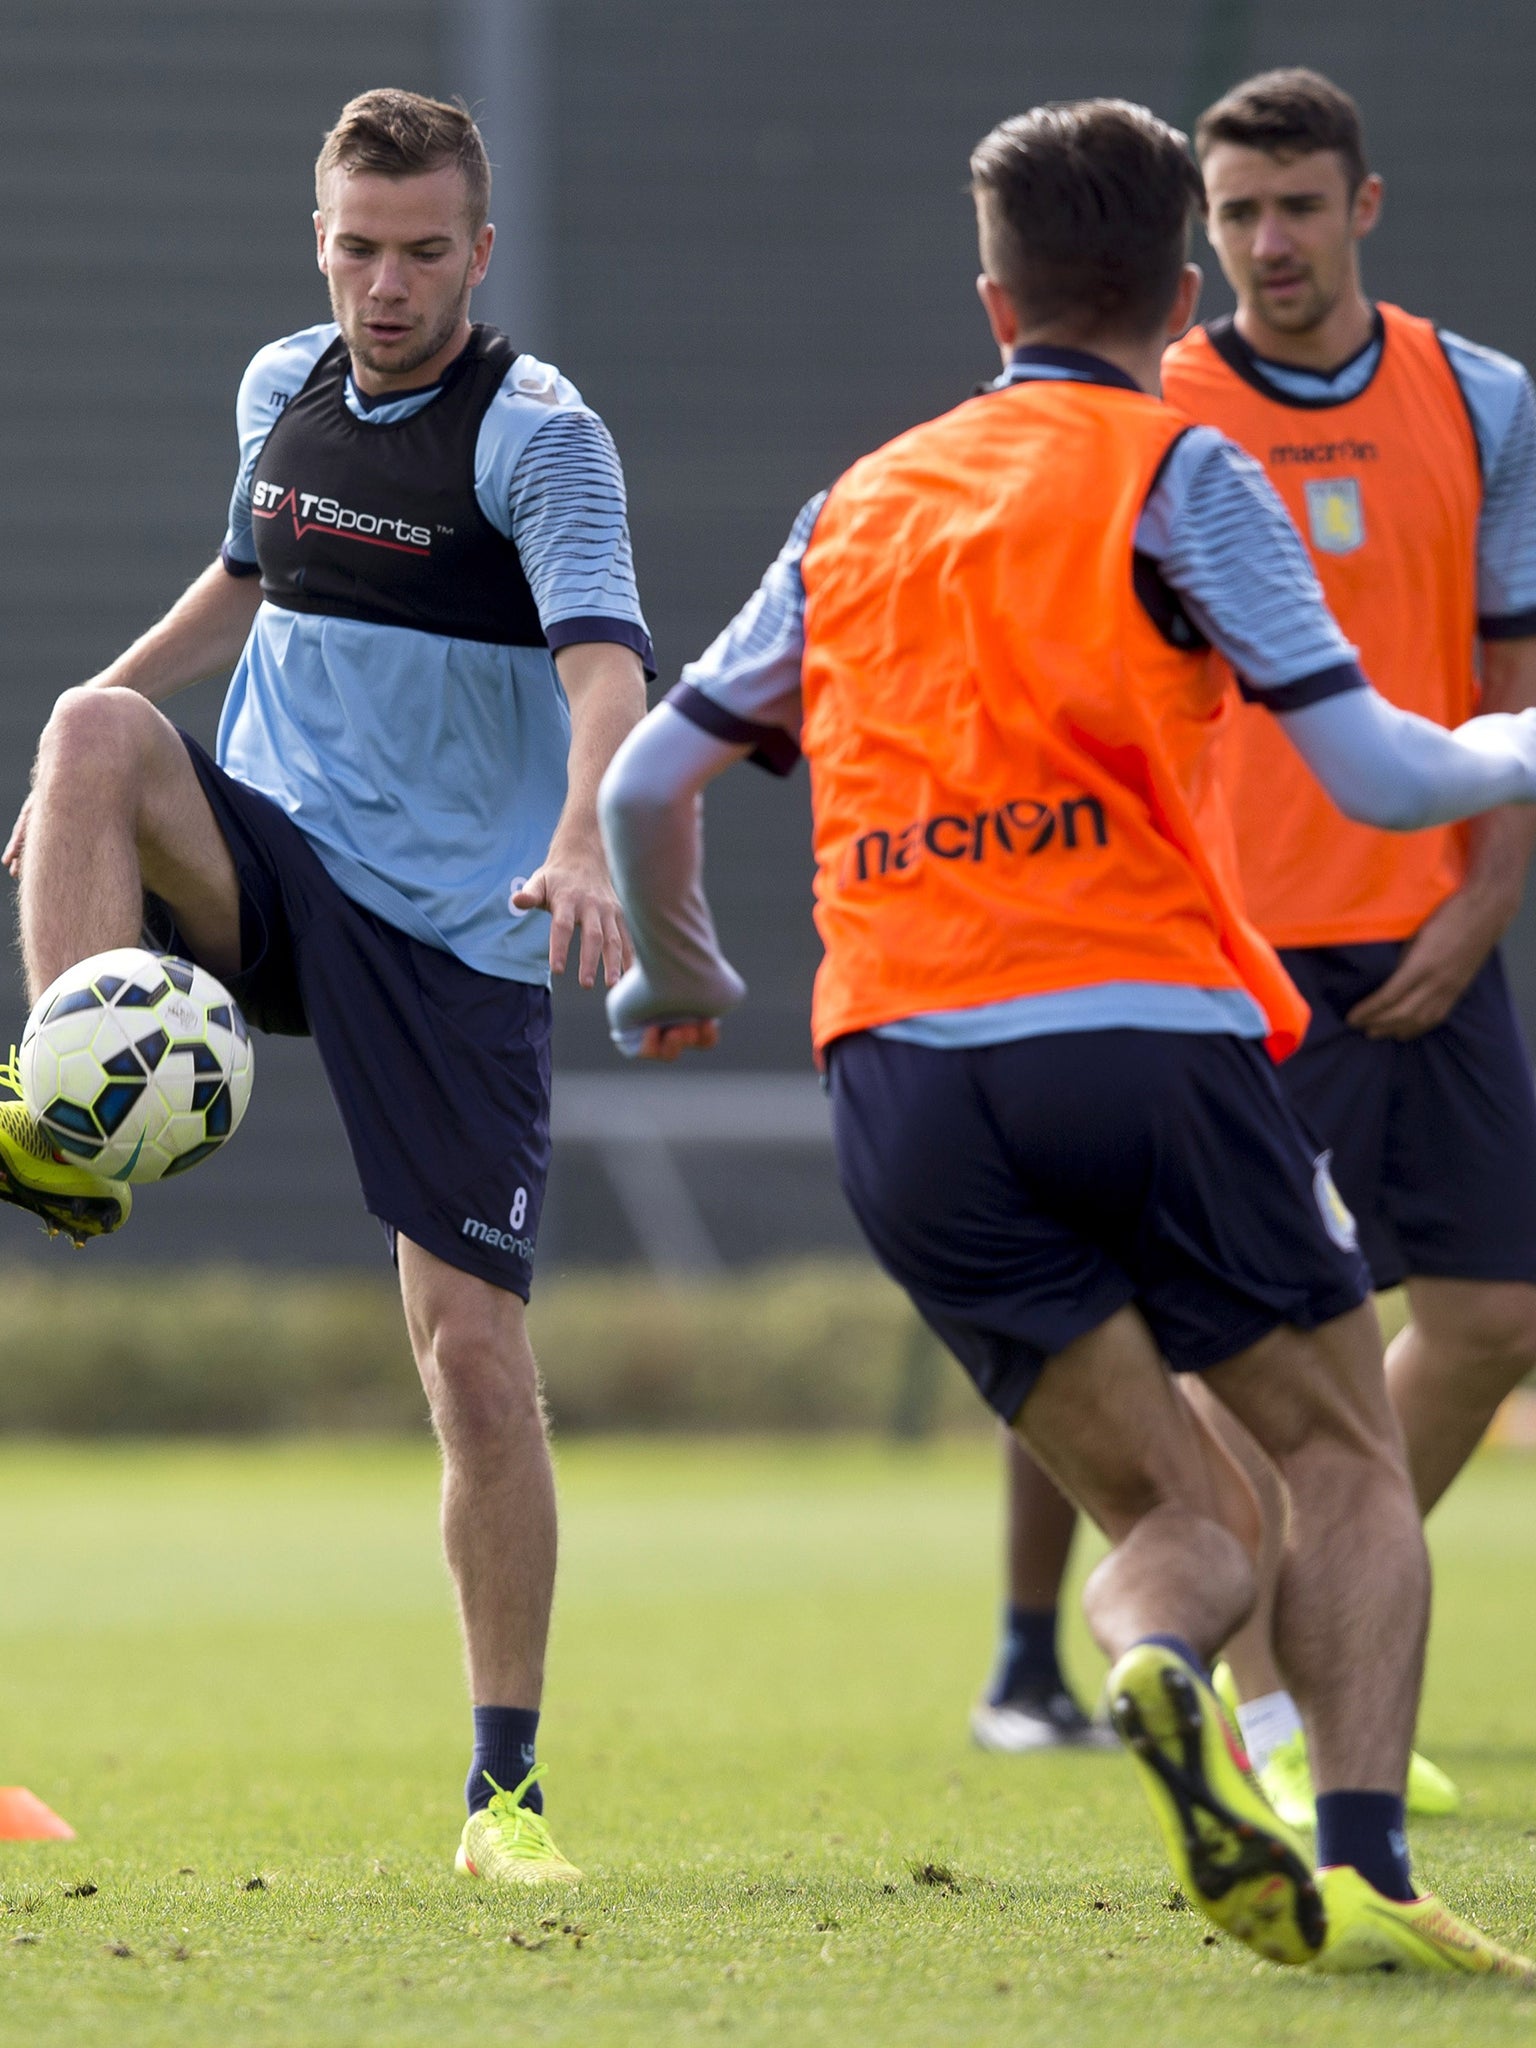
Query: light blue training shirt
[(1224, 543), (429, 773)]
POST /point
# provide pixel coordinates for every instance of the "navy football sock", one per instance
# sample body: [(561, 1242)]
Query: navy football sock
[(1365, 1829), (504, 1740), (1026, 1662), (1180, 1649)]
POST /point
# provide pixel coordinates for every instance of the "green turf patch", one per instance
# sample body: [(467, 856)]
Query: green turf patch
[(235, 1672)]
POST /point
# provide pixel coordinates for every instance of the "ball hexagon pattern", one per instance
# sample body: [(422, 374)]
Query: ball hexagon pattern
[(136, 1065)]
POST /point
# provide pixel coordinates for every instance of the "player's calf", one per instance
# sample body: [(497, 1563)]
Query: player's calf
[(1471, 1342), (1353, 1601)]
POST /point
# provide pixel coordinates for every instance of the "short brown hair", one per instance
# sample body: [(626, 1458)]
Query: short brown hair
[(401, 134), (1287, 113), (1085, 209)]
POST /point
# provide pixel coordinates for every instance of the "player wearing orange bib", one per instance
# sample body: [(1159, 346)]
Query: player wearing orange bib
[(1043, 1012), (1407, 458)]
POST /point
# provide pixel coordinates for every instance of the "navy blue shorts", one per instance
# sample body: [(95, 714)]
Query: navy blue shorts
[(1434, 1138), (441, 1074), (1022, 1193)]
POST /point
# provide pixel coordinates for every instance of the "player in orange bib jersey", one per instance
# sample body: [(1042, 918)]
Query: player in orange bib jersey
[(1048, 1025), (1407, 458)]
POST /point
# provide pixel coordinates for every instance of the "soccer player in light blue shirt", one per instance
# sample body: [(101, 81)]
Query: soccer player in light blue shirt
[(427, 596)]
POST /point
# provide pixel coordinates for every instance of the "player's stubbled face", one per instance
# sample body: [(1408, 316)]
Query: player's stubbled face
[(400, 259), (1283, 230)]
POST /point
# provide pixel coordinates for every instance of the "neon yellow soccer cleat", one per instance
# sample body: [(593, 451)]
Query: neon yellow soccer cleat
[(1287, 1782), (1287, 1776), (510, 1844), (1232, 1856), (1368, 1932), (33, 1176)]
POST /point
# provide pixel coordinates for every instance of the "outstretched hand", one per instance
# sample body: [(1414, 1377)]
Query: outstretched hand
[(578, 895), (15, 845)]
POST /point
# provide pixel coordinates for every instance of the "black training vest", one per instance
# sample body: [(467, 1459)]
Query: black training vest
[(381, 523)]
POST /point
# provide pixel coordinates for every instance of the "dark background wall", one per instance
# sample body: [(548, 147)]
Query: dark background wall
[(757, 262)]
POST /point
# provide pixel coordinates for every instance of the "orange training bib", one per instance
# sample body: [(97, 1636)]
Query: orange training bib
[(1386, 491), (1007, 758)]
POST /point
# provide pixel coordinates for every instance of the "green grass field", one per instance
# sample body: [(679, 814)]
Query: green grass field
[(235, 1671)]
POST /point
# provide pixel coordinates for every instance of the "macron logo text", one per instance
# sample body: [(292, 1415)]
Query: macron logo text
[(498, 1240)]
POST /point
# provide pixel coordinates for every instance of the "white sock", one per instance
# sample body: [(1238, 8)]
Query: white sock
[(1267, 1722)]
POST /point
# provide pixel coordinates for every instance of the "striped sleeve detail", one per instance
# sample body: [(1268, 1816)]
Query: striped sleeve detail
[(1503, 408), (1239, 565), (749, 676), (570, 525)]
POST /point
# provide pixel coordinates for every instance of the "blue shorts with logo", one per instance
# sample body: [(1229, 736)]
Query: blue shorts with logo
[(441, 1073), (1433, 1138), (1023, 1193)]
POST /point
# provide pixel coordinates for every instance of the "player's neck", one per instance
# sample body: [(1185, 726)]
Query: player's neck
[(1140, 360), (380, 383), (1342, 332)]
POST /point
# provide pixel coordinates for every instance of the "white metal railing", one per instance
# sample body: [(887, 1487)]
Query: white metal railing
[(632, 1122)]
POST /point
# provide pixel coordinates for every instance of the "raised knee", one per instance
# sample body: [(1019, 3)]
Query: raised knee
[(96, 735)]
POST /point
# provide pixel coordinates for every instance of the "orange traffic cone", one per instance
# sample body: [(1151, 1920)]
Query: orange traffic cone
[(24, 1818)]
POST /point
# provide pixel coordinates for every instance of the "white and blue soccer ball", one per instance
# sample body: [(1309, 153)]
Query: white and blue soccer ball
[(136, 1066)]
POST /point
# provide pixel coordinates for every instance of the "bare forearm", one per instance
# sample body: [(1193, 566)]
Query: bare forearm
[(201, 634), (605, 686)]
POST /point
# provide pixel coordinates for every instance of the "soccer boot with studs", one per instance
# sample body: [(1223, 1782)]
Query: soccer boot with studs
[(1232, 1856), (1369, 1932), (508, 1843), (1287, 1774), (34, 1177)]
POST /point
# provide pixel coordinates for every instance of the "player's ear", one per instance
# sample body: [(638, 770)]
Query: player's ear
[(1366, 208), (480, 258), (1002, 316), (1182, 312), (320, 242)]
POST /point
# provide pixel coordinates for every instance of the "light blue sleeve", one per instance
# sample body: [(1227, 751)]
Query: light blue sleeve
[(571, 526), (274, 375), (1214, 525), (748, 678), (1400, 772), (742, 694), (652, 821), (547, 475), (1503, 408)]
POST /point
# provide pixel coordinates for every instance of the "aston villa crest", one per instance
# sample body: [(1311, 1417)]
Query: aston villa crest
[(1335, 515)]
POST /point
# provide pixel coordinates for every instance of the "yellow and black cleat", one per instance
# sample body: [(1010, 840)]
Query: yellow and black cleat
[(1233, 1857), (34, 1177)]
